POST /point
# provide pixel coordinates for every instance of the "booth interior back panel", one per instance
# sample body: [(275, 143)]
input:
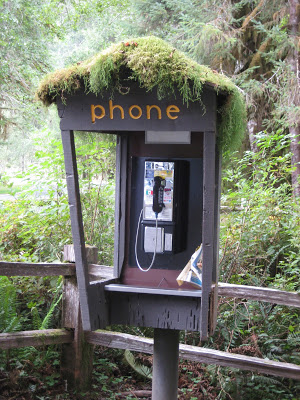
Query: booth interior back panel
[(193, 216)]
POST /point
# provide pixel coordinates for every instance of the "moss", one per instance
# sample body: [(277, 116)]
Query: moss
[(155, 65)]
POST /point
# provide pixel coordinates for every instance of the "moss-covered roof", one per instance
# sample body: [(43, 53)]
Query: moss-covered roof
[(155, 65)]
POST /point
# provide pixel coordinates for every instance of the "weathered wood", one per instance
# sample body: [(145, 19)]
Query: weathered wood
[(136, 393), (76, 357), (120, 204), (270, 295), (48, 269), (77, 225), (99, 304), (171, 312), (39, 269), (90, 251), (198, 354), (75, 112), (208, 227), (98, 272), (215, 271), (44, 337)]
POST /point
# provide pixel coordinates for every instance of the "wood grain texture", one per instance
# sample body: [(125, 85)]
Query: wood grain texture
[(156, 311), (198, 354), (75, 112), (215, 270), (208, 228), (120, 203), (76, 357), (39, 269), (44, 337), (270, 295), (99, 303), (96, 271), (77, 225), (91, 253)]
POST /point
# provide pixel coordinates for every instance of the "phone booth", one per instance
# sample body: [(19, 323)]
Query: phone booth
[(166, 207), (167, 191)]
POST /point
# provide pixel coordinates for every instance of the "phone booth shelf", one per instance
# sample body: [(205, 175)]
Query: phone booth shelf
[(166, 146)]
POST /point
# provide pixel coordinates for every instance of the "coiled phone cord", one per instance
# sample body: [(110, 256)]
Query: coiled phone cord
[(136, 240)]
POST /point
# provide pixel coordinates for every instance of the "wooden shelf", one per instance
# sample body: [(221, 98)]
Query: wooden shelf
[(149, 290)]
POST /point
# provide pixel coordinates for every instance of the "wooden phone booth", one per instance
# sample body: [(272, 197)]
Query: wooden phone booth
[(167, 183)]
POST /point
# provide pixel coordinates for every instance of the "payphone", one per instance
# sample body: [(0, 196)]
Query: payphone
[(161, 226), (164, 213)]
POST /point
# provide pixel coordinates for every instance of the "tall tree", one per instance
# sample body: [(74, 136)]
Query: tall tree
[(253, 41), (294, 120)]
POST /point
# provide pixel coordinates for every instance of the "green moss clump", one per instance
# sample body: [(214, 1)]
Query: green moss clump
[(155, 65)]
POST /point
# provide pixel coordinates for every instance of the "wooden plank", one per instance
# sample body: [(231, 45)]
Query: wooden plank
[(76, 112), (120, 204), (38, 269), (208, 227), (270, 295), (198, 354), (35, 338), (100, 272), (99, 303), (76, 357), (155, 311), (215, 270), (48, 269), (77, 225), (90, 251)]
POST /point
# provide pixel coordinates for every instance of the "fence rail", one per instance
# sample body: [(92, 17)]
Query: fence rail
[(14, 340), (81, 342), (276, 296), (145, 345)]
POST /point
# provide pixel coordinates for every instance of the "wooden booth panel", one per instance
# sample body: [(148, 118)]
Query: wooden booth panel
[(137, 111), (156, 311)]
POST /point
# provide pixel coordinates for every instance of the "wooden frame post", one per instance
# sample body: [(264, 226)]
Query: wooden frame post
[(76, 357), (77, 226), (208, 227)]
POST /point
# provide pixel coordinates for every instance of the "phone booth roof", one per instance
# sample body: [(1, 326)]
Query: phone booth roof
[(163, 72)]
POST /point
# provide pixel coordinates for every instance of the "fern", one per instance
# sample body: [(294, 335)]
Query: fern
[(139, 368), (36, 319), (46, 321), (9, 319)]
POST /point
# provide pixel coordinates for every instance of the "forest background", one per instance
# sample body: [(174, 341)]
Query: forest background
[(253, 42)]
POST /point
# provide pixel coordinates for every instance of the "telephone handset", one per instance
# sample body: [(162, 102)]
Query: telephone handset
[(158, 194)]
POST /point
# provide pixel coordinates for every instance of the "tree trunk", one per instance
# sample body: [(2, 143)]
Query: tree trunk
[(294, 124)]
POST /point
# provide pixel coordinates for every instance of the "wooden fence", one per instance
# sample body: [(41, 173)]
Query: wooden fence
[(77, 346)]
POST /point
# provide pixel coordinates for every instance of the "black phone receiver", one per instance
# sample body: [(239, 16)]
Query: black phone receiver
[(158, 194)]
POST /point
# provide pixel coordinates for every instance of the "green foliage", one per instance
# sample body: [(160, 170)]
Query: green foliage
[(139, 368), (261, 240), (260, 246), (36, 225), (9, 318), (154, 64)]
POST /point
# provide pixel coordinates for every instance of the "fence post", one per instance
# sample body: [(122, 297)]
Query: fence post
[(76, 357)]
